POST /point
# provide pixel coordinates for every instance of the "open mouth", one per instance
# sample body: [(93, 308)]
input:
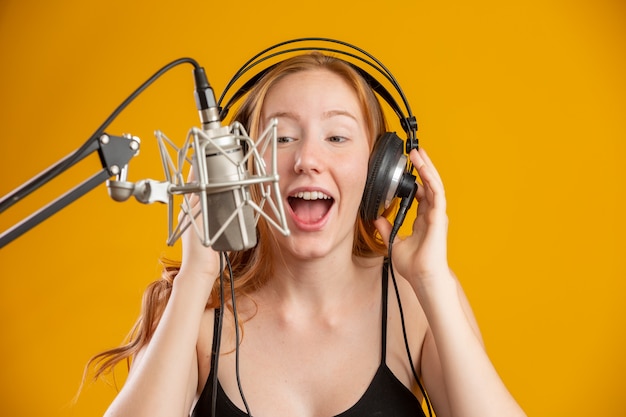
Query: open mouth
[(310, 206)]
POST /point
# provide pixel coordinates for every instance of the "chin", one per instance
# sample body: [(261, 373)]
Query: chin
[(308, 247)]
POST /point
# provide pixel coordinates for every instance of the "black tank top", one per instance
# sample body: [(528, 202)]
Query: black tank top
[(386, 396)]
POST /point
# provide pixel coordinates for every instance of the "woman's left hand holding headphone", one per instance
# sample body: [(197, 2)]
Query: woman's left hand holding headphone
[(421, 258)]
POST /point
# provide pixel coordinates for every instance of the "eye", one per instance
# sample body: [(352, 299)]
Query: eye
[(337, 139), (284, 139)]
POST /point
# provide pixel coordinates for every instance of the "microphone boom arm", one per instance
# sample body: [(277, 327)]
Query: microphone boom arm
[(114, 151)]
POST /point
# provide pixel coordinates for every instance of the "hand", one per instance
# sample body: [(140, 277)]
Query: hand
[(197, 259), (423, 255)]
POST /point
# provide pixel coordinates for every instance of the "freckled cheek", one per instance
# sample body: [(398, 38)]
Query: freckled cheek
[(284, 167), (355, 173), (284, 162), (281, 159)]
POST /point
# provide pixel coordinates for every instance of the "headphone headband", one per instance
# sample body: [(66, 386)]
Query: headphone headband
[(407, 119)]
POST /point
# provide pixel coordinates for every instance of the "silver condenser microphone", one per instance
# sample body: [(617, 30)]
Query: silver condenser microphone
[(222, 200), (223, 154)]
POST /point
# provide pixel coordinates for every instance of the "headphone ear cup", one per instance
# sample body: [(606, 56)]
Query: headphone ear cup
[(386, 159)]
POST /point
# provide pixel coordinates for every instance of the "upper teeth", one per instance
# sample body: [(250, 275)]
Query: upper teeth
[(312, 195)]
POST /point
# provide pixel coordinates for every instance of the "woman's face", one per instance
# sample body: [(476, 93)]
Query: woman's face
[(323, 152)]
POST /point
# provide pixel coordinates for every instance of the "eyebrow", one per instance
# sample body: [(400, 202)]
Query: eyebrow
[(333, 113), (325, 115), (282, 114)]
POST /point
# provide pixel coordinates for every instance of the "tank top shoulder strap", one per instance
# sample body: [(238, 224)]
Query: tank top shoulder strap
[(203, 406), (385, 291)]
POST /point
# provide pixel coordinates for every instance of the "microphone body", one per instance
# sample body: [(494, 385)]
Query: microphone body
[(223, 156)]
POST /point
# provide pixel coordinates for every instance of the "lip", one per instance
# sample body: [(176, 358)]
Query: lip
[(308, 227)]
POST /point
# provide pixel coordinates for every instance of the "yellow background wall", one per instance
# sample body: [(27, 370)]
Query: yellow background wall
[(521, 104)]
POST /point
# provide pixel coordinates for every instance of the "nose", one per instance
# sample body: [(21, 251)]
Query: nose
[(309, 157)]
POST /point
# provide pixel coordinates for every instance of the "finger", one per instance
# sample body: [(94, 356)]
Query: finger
[(191, 176), (432, 185), (423, 167), (420, 194), (384, 228), (428, 162)]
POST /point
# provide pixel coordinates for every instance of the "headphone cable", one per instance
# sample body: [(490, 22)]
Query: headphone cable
[(405, 204), (406, 339)]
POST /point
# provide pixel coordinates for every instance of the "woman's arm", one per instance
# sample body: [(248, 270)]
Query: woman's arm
[(164, 377), (458, 374), (457, 371)]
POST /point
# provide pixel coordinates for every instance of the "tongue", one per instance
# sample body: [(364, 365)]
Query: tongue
[(310, 211)]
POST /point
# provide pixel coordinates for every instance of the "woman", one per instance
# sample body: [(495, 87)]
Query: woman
[(322, 332)]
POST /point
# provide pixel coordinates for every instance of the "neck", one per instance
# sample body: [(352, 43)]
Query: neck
[(320, 285)]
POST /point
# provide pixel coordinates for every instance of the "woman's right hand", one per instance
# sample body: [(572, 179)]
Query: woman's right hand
[(197, 259)]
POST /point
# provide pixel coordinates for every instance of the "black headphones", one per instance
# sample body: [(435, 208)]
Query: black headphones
[(389, 173)]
